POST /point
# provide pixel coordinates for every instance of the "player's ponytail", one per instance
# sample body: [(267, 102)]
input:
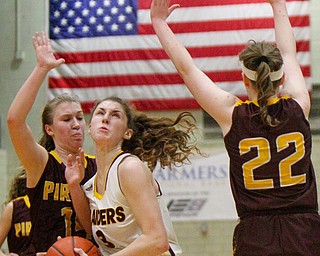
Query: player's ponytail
[(262, 64)]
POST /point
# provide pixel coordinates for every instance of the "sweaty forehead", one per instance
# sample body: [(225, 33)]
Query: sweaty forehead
[(110, 105)]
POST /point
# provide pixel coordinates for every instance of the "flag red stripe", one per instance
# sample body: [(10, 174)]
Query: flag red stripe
[(146, 54), (143, 79), (145, 4), (160, 105), (133, 80), (156, 54), (163, 104), (224, 25)]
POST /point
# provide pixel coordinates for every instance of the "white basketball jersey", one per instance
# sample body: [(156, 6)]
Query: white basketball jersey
[(113, 224)]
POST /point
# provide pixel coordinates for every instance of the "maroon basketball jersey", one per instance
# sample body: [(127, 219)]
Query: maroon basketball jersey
[(52, 212), (19, 234), (270, 167)]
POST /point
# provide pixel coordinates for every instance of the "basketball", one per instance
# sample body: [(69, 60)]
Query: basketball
[(65, 246)]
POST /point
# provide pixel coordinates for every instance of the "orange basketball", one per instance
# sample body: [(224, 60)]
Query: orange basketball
[(65, 246)]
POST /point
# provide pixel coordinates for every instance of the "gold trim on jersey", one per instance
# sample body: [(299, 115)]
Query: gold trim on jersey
[(27, 201), (57, 157), (25, 198), (95, 192), (255, 102)]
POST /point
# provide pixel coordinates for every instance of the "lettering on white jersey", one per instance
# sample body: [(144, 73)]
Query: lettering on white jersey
[(107, 216)]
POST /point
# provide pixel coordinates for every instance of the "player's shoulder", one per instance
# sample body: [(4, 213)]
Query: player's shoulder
[(130, 161), (8, 209)]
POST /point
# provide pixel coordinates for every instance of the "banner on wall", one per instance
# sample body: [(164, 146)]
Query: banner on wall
[(199, 191)]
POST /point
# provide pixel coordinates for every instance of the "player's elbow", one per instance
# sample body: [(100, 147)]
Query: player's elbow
[(10, 120), (161, 244), (13, 120), (185, 69)]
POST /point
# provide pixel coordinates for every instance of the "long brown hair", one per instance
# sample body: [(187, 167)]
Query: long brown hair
[(162, 139), (263, 58), (17, 186)]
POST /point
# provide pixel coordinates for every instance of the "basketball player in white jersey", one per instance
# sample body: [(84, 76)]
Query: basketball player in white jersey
[(128, 215)]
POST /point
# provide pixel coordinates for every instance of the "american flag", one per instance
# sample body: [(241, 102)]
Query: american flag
[(110, 47)]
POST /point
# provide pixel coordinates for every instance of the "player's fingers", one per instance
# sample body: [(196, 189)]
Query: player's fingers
[(34, 42), (61, 61), (173, 7), (41, 253), (43, 38), (69, 160), (38, 39), (82, 156), (79, 251)]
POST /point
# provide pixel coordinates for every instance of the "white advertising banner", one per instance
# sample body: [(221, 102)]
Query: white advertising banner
[(199, 191)]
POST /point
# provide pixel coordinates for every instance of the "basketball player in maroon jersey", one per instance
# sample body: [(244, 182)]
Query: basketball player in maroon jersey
[(15, 221), (268, 138), (63, 125)]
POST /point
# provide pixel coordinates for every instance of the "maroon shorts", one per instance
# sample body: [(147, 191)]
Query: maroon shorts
[(296, 234)]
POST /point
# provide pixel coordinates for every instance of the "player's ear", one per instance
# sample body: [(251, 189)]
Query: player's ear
[(48, 130), (128, 134)]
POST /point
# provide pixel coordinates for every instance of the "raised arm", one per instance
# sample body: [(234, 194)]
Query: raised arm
[(217, 102), (295, 85), (32, 156)]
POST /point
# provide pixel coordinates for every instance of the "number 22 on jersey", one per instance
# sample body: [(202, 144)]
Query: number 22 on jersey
[(264, 156)]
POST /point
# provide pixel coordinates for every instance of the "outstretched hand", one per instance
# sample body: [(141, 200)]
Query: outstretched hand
[(44, 54), (74, 172), (160, 9)]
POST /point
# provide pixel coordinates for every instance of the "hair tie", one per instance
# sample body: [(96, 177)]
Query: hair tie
[(263, 59)]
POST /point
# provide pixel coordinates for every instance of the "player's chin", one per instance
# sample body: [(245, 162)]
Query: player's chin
[(76, 144)]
